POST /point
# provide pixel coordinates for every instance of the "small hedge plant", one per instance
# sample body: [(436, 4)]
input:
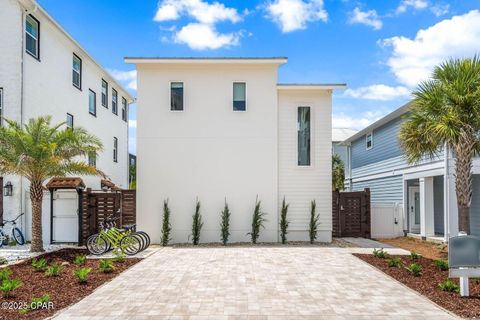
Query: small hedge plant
[(449, 286), (40, 265), (53, 270), (313, 225), (105, 266), (8, 286), (82, 274), (284, 221), (441, 264), (415, 269), (380, 253), (225, 224), (166, 226), (258, 220), (80, 259), (36, 303), (394, 262), (414, 256)]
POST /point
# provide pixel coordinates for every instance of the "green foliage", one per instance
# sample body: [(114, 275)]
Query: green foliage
[(3, 261), (394, 262), (225, 224), (12, 242), (380, 253), (166, 226), (284, 222), (313, 225), (8, 286), (5, 273), (197, 224), (338, 173), (414, 256), (441, 264), (449, 286), (415, 269), (80, 259), (82, 274), (35, 303), (132, 170), (105, 266), (258, 220), (119, 256), (53, 270), (39, 265)]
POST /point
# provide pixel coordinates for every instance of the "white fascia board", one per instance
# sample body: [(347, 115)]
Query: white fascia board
[(311, 86), (136, 60), (426, 170)]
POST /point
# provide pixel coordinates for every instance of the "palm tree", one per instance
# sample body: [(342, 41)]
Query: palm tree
[(338, 173), (446, 112), (38, 151)]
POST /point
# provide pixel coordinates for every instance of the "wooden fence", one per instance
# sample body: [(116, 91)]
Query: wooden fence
[(351, 214)]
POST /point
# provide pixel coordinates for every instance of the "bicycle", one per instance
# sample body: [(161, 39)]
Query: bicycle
[(17, 235)]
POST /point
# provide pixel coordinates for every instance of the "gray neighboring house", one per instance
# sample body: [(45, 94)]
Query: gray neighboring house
[(417, 200), (339, 135)]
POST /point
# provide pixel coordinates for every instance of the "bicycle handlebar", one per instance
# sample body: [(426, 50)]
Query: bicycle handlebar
[(12, 221)]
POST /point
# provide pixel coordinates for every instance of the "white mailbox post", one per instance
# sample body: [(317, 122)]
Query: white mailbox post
[(464, 260)]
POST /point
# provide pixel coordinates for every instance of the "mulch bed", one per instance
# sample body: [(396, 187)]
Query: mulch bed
[(64, 290), (427, 249), (427, 284)]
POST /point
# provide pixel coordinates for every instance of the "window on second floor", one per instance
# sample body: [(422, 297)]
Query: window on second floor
[(32, 36), (77, 71), (104, 93), (69, 121), (114, 101), (92, 159), (176, 96), (239, 96), (92, 102), (369, 141), (115, 149), (124, 109)]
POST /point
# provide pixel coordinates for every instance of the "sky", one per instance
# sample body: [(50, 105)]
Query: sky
[(381, 49)]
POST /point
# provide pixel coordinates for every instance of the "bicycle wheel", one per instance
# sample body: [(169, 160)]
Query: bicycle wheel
[(2, 238), (145, 238), (131, 244), (18, 236), (97, 245)]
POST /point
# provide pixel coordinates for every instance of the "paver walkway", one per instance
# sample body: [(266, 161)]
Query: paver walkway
[(258, 283)]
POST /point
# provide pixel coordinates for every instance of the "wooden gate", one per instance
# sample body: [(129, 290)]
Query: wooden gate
[(351, 214)]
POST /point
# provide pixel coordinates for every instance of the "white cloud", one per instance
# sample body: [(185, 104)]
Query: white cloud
[(412, 60), (369, 18), (359, 122), (440, 9), (203, 36), (128, 78), (293, 15), (378, 92), (414, 4), (203, 12)]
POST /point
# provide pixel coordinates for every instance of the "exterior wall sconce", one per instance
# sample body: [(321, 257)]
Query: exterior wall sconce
[(8, 189)]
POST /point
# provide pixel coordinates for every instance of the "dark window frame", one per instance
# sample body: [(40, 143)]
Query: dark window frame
[(92, 158), (115, 149), (172, 107), (308, 163), (94, 102), (236, 108), (124, 109), (115, 102), (36, 57), (105, 104), (79, 87), (367, 147), (73, 120)]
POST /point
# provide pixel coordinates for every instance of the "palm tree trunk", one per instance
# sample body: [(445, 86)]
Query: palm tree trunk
[(463, 179), (36, 197)]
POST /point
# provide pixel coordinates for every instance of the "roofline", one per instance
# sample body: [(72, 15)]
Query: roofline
[(392, 115), (311, 86), (37, 6), (206, 60)]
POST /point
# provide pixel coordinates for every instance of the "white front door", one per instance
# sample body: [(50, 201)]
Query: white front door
[(65, 216), (414, 209)]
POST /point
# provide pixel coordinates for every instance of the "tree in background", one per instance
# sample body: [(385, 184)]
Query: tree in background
[(338, 173)]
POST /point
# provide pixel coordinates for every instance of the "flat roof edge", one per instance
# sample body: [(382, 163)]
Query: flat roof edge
[(171, 60), (311, 86)]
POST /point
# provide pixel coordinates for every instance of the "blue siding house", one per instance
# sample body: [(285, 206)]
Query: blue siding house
[(417, 200)]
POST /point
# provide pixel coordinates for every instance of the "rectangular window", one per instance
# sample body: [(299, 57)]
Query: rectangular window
[(115, 149), (32, 36), (239, 96), (369, 141), (176, 96), (92, 159), (124, 109), (92, 102), (114, 101), (104, 93), (77, 71), (69, 121), (303, 136)]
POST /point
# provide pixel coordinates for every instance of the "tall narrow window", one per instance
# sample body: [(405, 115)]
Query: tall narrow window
[(239, 96), (369, 141), (114, 101), (104, 93), (77, 71), (69, 121), (32, 36), (92, 159), (124, 109), (92, 102), (1, 106), (303, 136), (115, 149), (176, 96)]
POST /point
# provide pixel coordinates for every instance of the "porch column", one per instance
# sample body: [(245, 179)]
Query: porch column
[(427, 226)]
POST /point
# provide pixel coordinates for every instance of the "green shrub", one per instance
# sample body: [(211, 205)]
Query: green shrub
[(380, 253), (441, 264), (449, 286), (258, 220), (166, 226), (414, 256), (39, 265), (53, 270), (284, 222), (119, 256), (5, 273), (394, 262), (3, 261), (225, 224), (105, 266), (197, 224), (82, 274), (8, 286), (313, 226), (80, 259), (35, 304), (12, 242), (415, 269)]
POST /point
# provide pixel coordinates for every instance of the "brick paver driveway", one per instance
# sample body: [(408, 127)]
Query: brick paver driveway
[(258, 283)]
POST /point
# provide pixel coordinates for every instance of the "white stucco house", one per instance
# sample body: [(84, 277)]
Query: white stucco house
[(44, 71), (223, 128)]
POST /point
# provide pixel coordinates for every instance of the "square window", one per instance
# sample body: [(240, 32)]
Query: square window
[(176, 96), (69, 121), (92, 102), (369, 141), (32, 36), (239, 96), (77, 72)]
